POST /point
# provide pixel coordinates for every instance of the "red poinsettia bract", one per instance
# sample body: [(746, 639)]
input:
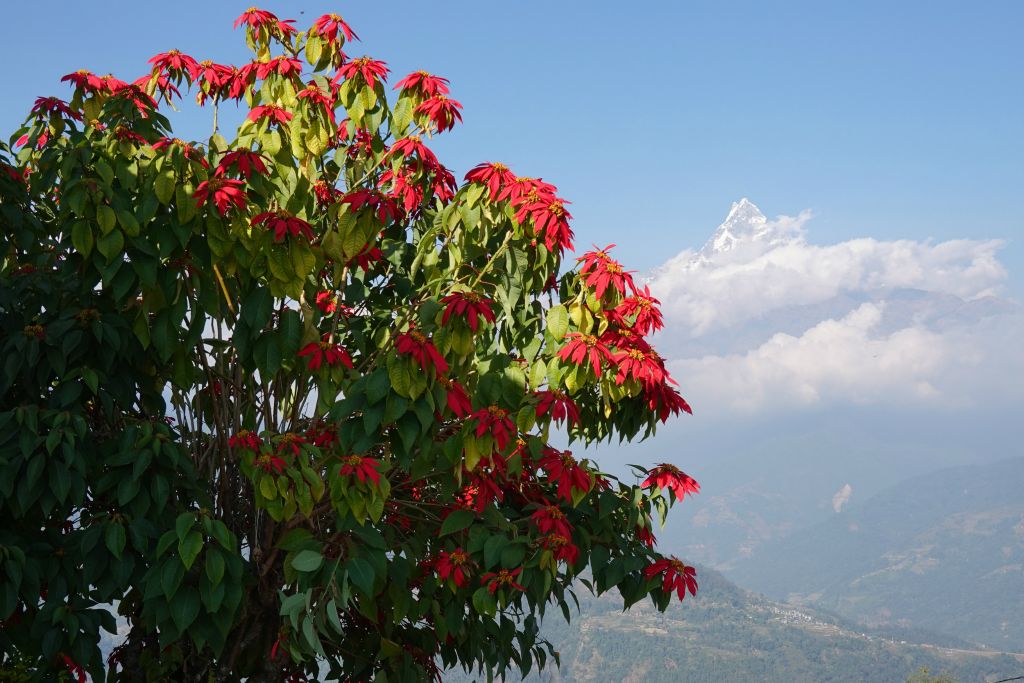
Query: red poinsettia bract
[(54, 105), (494, 175), (414, 343), (318, 353), (225, 192), (468, 305), (558, 405), (561, 547), (496, 422), (638, 364), (328, 25), (425, 84), (364, 468), (645, 308), (454, 565), (669, 477), (442, 111), (272, 113), (550, 519), (666, 401), (367, 68), (282, 224), (585, 348), (245, 440), (457, 399), (601, 271), (503, 578), (247, 163), (678, 576), (566, 472)]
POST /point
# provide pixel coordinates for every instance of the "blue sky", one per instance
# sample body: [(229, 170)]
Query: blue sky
[(890, 120)]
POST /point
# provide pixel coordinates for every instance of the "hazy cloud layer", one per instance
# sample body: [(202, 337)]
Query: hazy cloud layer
[(703, 295), (774, 322)]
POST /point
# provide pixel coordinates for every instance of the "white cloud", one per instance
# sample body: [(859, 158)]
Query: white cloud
[(774, 323), (702, 295), (842, 497)]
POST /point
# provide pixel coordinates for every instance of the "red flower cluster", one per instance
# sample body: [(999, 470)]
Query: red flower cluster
[(601, 271), (454, 565), (363, 468), (414, 343), (504, 578), (645, 309), (289, 442), (470, 306), (54, 105), (283, 66), (368, 69), (585, 348), (424, 84), (558, 405), (246, 162), (551, 520), (457, 398), (496, 422), (262, 21), (246, 440), (272, 113), (317, 353), (85, 80), (495, 176), (328, 25), (175, 64), (562, 468), (224, 191), (561, 547), (316, 95), (678, 576), (668, 476), (283, 224), (442, 112), (382, 206)]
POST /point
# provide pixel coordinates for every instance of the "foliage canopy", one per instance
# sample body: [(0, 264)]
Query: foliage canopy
[(283, 401)]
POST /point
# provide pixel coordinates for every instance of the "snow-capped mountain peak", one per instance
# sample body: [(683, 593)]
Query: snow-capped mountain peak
[(746, 229)]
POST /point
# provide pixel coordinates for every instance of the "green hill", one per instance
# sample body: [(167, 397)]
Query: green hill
[(943, 552), (728, 634)]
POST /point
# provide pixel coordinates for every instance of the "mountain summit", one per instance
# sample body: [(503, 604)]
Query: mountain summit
[(746, 230)]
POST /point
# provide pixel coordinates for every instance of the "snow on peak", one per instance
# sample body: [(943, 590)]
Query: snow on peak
[(747, 230)]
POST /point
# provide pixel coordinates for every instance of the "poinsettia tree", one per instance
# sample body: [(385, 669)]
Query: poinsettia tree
[(284, 402)]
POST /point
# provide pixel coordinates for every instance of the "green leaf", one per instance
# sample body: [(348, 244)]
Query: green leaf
[(106, 218), (114, 537), (308, 561), (214, 565), (184, 608), (361, 572), (267, 488), (483, 602), (163, 185), (128, 222), (81, 238), (190, 548), (314, 48), (111, 244), (457, 521), (558, 321), (183, 523)]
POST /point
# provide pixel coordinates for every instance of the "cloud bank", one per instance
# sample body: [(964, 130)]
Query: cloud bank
[(761, 320)]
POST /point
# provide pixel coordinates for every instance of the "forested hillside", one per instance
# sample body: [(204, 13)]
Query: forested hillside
[(728, 634)]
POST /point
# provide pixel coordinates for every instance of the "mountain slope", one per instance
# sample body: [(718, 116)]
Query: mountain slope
[(728, 634), (944, 551)]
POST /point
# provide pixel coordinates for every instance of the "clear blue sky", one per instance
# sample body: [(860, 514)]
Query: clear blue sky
[(888, 119)]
